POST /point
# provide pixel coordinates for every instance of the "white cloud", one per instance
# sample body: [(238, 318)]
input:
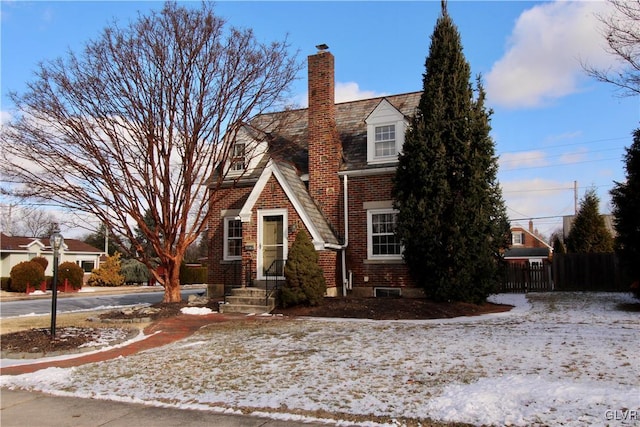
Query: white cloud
[(344, 92), (351, 91), (538, 198), (545, 53), (5, 117), (579, 155), (511, 161)]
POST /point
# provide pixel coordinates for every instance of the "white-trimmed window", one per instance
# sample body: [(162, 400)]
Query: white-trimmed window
[(385, 141), (238, 157), (382, 242), (385, 133), (517, 238), (232, 239)]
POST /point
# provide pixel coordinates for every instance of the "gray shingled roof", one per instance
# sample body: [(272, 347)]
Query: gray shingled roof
[(287, 131), (290, 174), (526, 252)]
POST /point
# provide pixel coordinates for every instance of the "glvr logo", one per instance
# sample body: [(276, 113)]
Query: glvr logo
[(622, 415)]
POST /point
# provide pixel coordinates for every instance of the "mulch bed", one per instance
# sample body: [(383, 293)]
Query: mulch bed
[(392, 308)]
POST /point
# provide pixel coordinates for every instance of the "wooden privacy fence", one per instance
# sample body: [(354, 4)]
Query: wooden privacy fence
[(567, 272), (589, 272), (527, 277)]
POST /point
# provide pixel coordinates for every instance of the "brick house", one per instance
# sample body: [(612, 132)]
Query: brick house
[(325, 170), (527, 245)]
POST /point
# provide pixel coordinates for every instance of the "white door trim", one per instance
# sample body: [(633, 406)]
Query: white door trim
[(261, 214)]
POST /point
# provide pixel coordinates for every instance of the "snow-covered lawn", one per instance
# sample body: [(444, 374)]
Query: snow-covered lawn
[(557, 359)]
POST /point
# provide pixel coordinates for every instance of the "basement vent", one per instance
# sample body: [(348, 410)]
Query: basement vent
[(387, 292)]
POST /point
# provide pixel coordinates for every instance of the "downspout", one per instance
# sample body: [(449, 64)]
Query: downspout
[(346, 235)]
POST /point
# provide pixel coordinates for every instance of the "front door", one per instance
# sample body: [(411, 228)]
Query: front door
[(272, 232)]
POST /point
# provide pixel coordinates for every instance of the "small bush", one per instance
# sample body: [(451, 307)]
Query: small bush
[(304, 281), (72, 272), (42, 261), (26, 273), (5, 283), (108, 274), (134, 271)]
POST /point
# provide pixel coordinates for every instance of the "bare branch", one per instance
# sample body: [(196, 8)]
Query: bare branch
[(622, 33), (136, 122)]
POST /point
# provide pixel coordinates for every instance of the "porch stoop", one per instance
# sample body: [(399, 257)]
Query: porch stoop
[(247, 300)]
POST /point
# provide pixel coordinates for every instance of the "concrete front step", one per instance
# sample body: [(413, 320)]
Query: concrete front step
[(247, 300), (246, 309)]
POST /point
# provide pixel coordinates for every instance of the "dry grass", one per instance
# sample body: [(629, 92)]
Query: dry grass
[(80, 320)]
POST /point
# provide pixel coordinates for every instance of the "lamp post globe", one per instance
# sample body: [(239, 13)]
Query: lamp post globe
[(56, 242)]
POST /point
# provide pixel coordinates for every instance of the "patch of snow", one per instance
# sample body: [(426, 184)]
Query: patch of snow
[(196, 311), (555, 359)]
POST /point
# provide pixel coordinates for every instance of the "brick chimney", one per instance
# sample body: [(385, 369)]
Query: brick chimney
[(325, 148)]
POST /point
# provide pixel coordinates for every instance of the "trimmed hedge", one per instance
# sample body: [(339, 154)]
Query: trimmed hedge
[(41, 260), (192, 275), (72, 272), (26, 273)]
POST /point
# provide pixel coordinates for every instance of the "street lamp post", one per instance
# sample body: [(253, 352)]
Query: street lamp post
[(56, 243)]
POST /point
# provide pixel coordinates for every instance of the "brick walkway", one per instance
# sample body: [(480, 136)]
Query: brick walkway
[(159, 333)]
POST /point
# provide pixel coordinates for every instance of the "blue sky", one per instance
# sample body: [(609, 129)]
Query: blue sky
[(552, 124)]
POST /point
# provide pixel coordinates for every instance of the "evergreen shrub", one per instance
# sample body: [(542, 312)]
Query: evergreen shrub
[(109, 273), (26, 273), (42, 261), (72, 272), (304, 281), (134, 271)]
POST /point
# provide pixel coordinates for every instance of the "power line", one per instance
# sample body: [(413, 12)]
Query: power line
[(566, 145), (558, 164)]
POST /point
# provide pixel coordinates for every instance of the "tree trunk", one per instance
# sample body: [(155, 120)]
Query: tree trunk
[(172, 284)]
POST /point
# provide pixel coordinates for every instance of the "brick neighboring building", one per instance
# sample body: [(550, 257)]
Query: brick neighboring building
[(527, 245), (296, 171)]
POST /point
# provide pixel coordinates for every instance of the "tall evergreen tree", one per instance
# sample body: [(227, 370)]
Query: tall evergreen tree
[(626, 213), (589, 233), (451, 215)]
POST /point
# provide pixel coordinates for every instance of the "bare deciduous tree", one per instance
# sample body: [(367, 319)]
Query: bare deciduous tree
[(140, 120), (622, 32)]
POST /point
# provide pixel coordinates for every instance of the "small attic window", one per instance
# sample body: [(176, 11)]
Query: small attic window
[(385, 141), (385, 134), (238, 160)]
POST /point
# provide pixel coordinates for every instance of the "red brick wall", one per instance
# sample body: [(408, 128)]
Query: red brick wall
[(529, 240), (325, 149), (227, 198), (385, 274), (272, 197)]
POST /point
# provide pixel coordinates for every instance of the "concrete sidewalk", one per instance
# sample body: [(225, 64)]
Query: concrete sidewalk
[(34, 409)]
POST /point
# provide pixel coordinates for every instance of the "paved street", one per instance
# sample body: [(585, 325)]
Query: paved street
[(105, 298)]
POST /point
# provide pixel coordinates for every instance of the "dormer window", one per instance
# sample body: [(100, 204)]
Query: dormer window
[(385, 141), (385, 133), (238, 158)]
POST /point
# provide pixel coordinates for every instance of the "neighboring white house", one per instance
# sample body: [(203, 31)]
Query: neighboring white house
[(15, 249)]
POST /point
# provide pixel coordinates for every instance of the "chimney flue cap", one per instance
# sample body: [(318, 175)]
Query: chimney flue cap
[(322, 47)]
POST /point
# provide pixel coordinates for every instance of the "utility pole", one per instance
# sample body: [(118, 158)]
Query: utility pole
[(575, 197)]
